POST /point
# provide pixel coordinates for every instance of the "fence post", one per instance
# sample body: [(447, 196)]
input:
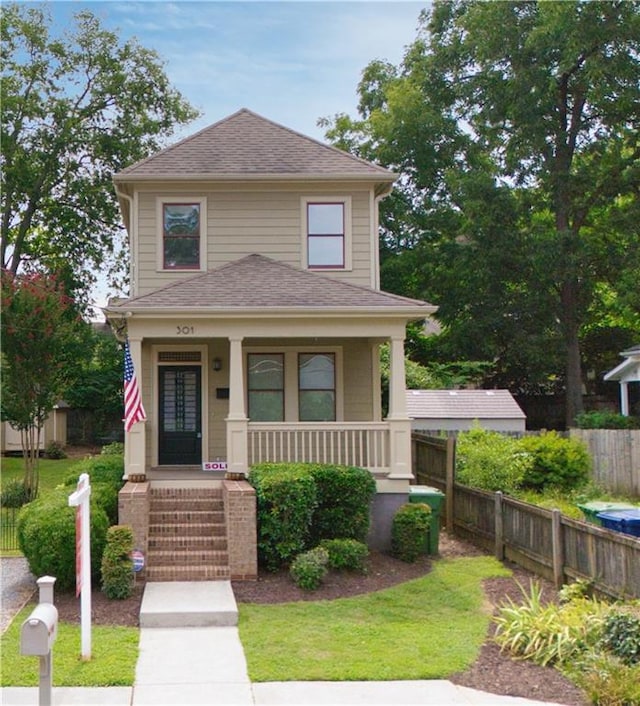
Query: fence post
[(450, 479), (499, 526), (558, 558)]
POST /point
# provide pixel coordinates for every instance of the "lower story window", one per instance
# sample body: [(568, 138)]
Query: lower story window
[(316, 387), (266, 387)]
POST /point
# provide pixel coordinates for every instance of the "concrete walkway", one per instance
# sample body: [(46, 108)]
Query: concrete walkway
[(206, 666)]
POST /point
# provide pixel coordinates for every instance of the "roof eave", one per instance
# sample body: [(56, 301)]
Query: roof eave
[(387, 177), (408, 312)]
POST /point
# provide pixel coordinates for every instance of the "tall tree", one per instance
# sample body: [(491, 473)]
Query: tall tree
[(41, 337), (539, 99), (75, 109)]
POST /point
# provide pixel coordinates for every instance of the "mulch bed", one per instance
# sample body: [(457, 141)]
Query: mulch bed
[(493, 671)]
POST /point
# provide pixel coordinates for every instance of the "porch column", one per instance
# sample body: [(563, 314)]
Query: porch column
[(134, 440), (624, 398), (399, 422), (237, 422)]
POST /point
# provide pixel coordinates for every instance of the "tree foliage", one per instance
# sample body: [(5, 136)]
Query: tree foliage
[(514, 128), (41, 336), (75, 109)]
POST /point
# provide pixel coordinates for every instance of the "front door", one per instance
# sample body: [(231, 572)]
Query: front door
[(180, 416)]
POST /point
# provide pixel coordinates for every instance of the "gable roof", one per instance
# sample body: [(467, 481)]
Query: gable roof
[(247, 146), (256, 282), (462, 404), (629, 369)]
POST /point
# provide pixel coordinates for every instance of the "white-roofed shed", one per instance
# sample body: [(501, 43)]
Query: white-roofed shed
[(457, 410)]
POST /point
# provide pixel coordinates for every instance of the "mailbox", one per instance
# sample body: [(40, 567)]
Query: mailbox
[(39, 630)]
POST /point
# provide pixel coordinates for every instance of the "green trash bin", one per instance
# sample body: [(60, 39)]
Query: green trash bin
[(434, 499), (591, 509)]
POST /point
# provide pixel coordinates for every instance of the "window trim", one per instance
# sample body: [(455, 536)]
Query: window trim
[(184, 199), (305, 202)]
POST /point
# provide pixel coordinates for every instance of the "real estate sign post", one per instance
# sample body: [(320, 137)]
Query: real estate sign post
[(80, 500)]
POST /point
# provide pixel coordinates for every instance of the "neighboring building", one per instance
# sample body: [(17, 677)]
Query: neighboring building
[(627, 372), (459, 410), (255, 315), (54, 429)]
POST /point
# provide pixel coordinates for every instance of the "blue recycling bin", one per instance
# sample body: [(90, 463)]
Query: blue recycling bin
[(625, 521)]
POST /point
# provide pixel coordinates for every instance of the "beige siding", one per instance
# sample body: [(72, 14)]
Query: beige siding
[(248, 219)]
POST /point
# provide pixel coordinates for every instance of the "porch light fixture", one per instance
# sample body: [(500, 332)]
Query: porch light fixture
[(217, 364)]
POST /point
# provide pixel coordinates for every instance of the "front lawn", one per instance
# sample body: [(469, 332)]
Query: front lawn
[(52, 472), (428, 628), (114, 653)]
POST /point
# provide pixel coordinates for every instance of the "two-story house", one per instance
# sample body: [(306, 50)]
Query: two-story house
[(255, 316)]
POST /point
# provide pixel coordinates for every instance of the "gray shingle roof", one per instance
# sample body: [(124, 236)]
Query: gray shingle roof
[(257, 282), (462, 404), (246, 145)]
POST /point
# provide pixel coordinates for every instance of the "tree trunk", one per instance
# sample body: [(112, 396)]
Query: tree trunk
[(573, 368)]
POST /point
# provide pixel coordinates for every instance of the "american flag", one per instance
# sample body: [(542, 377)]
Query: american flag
[(133, 408)]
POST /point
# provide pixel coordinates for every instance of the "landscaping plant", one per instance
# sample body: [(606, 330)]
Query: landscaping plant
[(409, 529), (346, 554), (490, 461), (309, 568), (556, 462), (117, 564), (47, 537)]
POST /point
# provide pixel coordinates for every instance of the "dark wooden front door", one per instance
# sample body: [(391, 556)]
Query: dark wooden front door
[(180, 416)]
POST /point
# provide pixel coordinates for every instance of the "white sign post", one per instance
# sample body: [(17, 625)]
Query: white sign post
[(80, 500)]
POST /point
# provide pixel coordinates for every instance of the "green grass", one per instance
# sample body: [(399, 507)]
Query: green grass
[(114, 653), (52, 473), (567, 502), (428, 628)]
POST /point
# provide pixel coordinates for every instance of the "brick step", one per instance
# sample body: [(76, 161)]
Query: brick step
[(187, 573), (171, 543), (187, 557), (186, 517), (187, 493), (189, 529), (170, 504)]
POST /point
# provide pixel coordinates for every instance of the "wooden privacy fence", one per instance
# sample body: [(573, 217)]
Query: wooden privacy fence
[(543, 541), (616, 458)]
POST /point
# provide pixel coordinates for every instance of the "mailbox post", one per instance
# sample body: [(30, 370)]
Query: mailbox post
[(39, 632)]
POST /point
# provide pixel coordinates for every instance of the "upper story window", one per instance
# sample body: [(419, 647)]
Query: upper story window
[(327, 233), (182, 228)]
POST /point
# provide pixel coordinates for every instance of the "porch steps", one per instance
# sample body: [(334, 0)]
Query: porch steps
[(188, 604), (187, 535)]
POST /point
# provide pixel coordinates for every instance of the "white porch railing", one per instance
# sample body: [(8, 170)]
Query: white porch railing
[(363, 444)]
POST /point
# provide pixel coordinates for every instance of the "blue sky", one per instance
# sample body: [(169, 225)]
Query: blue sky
[(292, 62)]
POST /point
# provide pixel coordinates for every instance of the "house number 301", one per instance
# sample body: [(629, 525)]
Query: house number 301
[(184, 330)]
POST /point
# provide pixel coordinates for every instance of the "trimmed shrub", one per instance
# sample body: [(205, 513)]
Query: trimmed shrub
[(606, 420), (555, 462), (55, 450), (309, 568), (490, 461), (286, 498), (621, 636), (105, 468), (105, 496), (117, 565), (409, 531), (47, 537), (344, 499), (346, 554), (15, 494), (115, 448)]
